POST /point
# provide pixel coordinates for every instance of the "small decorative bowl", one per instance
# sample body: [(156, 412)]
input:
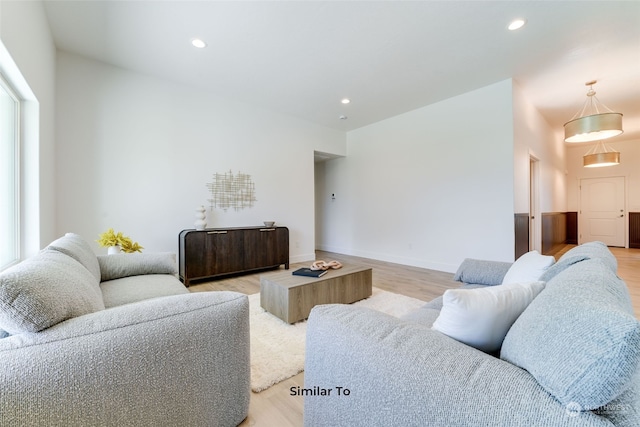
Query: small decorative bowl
[(269, 223)]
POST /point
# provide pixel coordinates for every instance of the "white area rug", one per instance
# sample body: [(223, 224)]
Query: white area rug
[(277, 348)]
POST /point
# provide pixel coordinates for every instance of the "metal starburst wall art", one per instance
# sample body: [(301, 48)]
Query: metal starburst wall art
[(231, 191)]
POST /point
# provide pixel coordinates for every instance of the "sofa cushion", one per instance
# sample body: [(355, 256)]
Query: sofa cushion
[(428, 313), (481, 317), (124, 265), (528, 268), (593, 250), (137, 288), (579, 338), (482, 272), (44, 290), (424, 315), (580, 253), (560, 266), (77, 248), (436, 303)]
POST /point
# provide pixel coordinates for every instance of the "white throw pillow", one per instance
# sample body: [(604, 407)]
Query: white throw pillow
[(528, 268), (482, 317)]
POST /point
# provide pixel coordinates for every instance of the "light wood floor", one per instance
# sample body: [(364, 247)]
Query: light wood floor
[(275, 406)]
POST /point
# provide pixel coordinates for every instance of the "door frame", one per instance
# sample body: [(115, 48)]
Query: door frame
[(535, 219)]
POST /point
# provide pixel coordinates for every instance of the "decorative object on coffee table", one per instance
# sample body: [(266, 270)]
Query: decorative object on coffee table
[(291, 298), (323, 265), (309, 272)]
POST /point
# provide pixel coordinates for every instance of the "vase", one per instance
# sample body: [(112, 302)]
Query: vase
[(114, 250), (200, 223)]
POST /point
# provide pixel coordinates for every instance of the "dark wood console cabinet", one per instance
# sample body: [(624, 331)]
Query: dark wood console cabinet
[(215, 252)]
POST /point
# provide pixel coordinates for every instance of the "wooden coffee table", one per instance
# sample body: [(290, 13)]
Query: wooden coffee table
[(291, 298)]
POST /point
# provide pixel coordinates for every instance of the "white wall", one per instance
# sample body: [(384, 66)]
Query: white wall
[(534, 137), (25, 34), (426, 188), (135, 153)]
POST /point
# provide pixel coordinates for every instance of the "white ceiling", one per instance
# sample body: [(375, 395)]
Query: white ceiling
[(389, 57)]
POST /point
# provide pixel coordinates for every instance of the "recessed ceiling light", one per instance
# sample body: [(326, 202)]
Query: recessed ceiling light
[(345, 100), (516, 24), (198, 43)]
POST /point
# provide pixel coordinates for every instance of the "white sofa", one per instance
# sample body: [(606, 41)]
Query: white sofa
[(572, 357), (118, 341)]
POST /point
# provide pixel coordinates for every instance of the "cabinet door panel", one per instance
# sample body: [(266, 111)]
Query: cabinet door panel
[(256, 243), (199, 254), (228, 251), (266, 247), (281, 247)]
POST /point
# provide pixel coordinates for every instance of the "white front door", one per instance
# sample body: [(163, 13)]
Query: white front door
[(602, 211)]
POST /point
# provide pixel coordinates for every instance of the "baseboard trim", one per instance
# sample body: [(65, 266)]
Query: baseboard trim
[(412, 262), (302, 258)]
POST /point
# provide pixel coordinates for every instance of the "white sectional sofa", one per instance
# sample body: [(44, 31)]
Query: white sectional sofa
[(572, 357)]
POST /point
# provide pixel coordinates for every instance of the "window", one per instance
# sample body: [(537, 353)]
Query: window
[(9, 176)]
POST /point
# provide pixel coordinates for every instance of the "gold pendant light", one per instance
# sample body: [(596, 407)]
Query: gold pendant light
[(594, 122), (601, 155)]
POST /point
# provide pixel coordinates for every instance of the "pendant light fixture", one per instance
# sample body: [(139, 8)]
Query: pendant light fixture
[(601, 155), (594, 122)]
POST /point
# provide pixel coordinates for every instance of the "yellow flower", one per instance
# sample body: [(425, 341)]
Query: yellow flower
[(110, 238), (129, 246)]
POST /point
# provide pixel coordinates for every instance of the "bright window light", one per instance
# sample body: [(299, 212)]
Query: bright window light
[(9, 176)]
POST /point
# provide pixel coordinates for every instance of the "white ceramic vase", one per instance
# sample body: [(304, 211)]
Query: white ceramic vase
[(200, 223), (114, 250)]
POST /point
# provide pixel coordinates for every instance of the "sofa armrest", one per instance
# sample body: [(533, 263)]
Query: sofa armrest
[(384, 371), (482, 272), (177, 360)]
